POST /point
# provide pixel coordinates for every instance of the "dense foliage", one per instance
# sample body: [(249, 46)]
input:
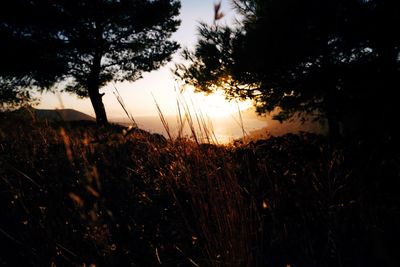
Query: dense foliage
[(84, 44), (337, 59)]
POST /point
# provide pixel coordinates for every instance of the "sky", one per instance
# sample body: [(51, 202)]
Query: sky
[(160, 85)]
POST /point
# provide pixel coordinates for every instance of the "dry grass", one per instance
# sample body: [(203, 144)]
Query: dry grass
[(222, 217), (73, 194)]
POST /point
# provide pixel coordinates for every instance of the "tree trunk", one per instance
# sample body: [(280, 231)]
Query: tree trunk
[(97, 103), (334, 128), (93, 88), (333, 114)]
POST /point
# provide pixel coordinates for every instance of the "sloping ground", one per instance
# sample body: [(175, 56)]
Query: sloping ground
[(74, 194), (276, 128), (62, 115), (51, 115)]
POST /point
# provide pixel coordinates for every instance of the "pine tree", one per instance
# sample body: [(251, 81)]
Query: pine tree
[(85, 43)]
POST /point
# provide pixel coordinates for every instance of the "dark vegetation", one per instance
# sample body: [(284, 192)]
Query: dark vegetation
[(81, 46), (87, 194), (73, 194), (336, 59)]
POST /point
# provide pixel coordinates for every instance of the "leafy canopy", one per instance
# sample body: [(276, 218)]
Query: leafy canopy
[(84, 43), (315, 57)]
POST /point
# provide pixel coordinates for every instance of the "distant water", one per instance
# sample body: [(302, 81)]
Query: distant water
[(224, 129)]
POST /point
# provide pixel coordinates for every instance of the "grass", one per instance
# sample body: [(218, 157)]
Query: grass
[(73, 194)]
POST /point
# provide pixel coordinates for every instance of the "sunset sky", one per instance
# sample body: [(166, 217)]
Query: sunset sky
[(138, 96)]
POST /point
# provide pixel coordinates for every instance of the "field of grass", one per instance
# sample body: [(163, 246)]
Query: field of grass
[(73, 194)]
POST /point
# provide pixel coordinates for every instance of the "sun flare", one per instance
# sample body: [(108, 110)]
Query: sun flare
[(214, 104)]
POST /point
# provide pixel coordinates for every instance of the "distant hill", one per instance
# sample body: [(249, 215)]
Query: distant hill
[(52, 115), (276, 128), (61, 115)]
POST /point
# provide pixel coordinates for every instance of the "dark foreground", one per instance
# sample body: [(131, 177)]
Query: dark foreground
[(76, 195)]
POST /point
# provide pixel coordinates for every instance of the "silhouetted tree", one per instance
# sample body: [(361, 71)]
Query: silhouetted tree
[(85, 44), (329, 58), (26, 60)]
